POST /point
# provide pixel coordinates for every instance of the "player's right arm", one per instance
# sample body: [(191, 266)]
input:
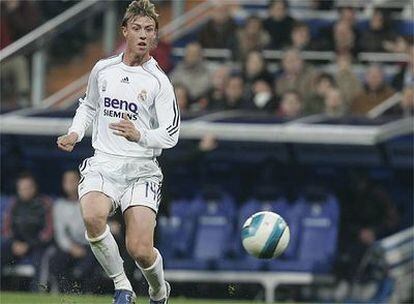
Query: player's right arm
[(85, 114)]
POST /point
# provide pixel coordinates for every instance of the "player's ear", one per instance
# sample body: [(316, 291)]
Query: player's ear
[(124, 31)]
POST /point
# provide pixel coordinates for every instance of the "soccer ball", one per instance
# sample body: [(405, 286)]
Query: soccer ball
[(265, 235)]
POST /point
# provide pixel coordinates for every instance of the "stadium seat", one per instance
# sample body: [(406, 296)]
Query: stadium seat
[(291, 212), (180, 227), (4, 204), (239, 259), (209, 218), (317, 243)]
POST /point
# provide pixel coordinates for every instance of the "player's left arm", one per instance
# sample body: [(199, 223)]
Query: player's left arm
[(168, 114)]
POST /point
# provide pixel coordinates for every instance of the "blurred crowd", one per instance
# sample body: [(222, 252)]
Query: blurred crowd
[(295, 87), (49, 233), (289, 88)]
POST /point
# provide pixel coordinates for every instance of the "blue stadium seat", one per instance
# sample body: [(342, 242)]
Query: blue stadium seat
[(176, 235), (405, 27), (292, 213), (240, 259), (212, 238), (4, 204), (211, 218), (318, 238)]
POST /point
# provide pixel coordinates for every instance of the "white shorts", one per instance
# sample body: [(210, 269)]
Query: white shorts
[(128, 181)]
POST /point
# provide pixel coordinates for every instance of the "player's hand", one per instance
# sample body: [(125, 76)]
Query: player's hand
[(67, 142), (126, 128)]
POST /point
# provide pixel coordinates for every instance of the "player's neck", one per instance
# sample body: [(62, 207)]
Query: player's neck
[(132, 59)]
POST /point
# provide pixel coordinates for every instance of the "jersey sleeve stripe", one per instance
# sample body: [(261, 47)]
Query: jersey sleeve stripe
[(174, 127), (174, 124), (171, 134)]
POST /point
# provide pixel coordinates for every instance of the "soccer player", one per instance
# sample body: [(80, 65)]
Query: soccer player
[(135, 115)]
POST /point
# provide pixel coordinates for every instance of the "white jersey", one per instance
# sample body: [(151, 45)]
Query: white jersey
[(142, 92)]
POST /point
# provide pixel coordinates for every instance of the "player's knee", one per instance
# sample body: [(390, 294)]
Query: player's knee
[(94, 213), (141, 252), (94, 225)]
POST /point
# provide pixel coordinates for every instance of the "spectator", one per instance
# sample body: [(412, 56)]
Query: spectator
[(348, 83), (334, 103), (343, 36), (17, 19), (300, 37), (193, 72), (220, 30), (295, 75), (347, 14), (405, 108), (279, 24), (27, 226), (21, 17), (344, 39), (262, 97), (73, 258), (251, 37), (233, 95), (254, 67), (378, 34), (375, 91), (15, 83), (216, 93), (291, 105), (368, 215), (405, 76), (316, 103), (345, 80), (181, 93)]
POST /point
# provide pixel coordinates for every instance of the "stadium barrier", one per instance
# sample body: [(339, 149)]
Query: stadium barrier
[(388, 269), (292, 132), (269, 280), (398, 253)]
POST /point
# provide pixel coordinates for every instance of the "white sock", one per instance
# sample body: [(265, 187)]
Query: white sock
[(106, 251), (155, 278)]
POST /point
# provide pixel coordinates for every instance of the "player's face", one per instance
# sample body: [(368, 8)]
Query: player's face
[(140, 34)]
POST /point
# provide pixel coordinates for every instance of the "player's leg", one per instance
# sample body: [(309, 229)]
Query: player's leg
[(96, 207), (140, 224)]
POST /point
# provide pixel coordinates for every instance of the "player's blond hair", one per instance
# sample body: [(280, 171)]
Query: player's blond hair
[(140, 8)]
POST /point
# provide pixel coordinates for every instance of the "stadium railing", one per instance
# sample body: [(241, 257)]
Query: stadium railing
[(269, 280), (328, 56), (398, 253), (389, 263), (39, 39), (295, 131), (385, 105)]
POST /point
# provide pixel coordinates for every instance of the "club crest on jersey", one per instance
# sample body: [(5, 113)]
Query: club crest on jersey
[(142, 96)]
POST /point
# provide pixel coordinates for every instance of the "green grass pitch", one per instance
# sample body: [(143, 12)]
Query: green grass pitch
[(32, 298)]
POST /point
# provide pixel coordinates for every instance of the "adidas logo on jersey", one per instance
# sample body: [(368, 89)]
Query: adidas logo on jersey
[(125, 80)]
